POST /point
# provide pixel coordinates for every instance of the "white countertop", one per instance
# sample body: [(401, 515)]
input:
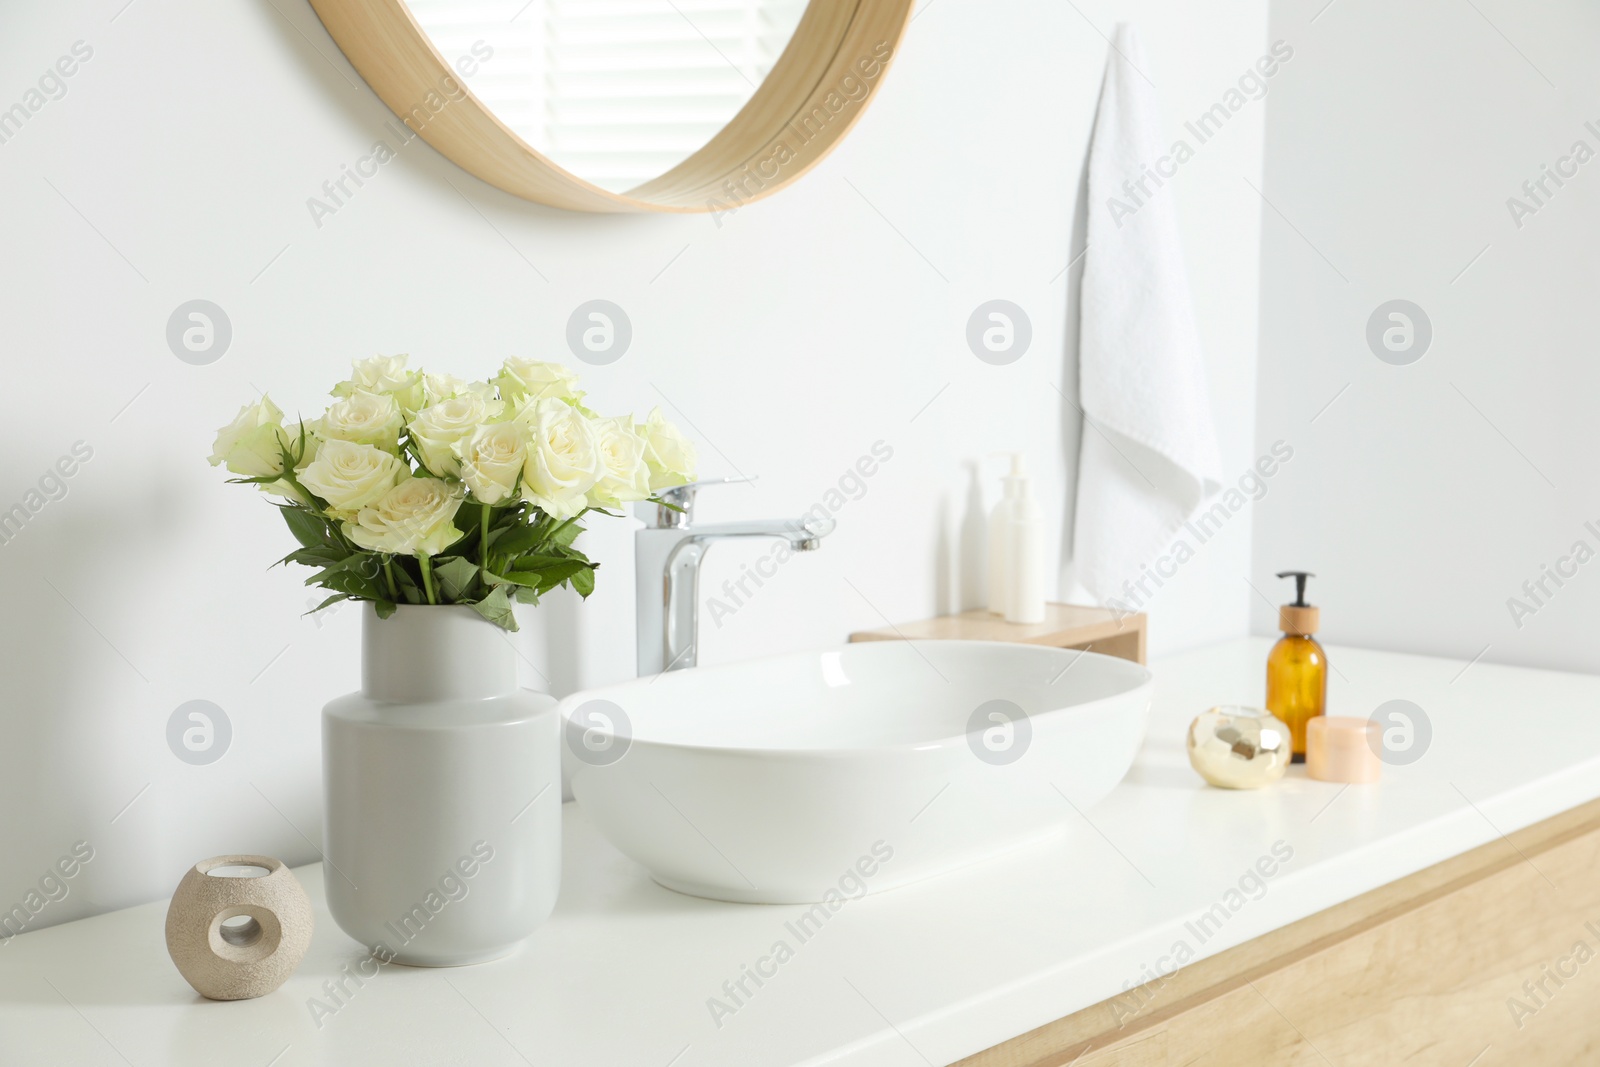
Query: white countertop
[(622, 972)]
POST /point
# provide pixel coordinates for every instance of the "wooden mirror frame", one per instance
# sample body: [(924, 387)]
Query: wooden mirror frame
[(815, 94)]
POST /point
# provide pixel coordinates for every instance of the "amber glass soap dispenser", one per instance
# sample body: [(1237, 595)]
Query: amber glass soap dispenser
[(1297, 668)]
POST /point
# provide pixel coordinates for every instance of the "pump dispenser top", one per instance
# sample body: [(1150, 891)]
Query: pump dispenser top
[(1016, 480), (1299, 618)]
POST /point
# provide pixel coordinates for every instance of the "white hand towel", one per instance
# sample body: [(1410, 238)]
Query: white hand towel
[(1149, 454)]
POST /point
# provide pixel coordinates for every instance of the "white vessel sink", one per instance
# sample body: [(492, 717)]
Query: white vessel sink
[(854, 769)]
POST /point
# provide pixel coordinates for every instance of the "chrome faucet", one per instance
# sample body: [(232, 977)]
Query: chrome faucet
[(667, 555)]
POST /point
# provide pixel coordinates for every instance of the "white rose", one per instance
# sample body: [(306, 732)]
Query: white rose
[(624, 475), (412, 519), (492, 460), (350, 476), (437, 387), (252, 444), (671, 457), (530, 379), (563, 458), (365, 418), (440, 430), (386, 375)]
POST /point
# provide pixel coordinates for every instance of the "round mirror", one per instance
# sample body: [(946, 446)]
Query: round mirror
[(625, 105)]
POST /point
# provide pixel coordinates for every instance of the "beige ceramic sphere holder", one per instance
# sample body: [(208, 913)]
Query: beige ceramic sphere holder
[(238, 961)]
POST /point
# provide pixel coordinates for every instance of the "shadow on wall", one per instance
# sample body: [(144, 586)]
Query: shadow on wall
[(81, 739), (49, 730)]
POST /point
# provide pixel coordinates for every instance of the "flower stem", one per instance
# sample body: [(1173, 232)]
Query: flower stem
[(551, 536), (427, 576), (483, 528), (388, 574)]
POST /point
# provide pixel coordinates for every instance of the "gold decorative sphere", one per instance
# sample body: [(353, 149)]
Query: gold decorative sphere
[(1237, 747)]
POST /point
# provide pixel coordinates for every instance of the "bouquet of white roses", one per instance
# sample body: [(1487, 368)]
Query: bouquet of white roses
[(416, 488)]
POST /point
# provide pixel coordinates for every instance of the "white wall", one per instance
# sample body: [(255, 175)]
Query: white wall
[(177, 166), (1427, 494)]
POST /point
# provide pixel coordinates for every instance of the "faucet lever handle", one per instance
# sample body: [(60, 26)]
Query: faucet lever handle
[(659, 516)]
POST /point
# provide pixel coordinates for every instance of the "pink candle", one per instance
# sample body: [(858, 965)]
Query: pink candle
[(1340, 749)]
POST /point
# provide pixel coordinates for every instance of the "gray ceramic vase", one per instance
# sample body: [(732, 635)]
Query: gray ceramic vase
[(442, 783)]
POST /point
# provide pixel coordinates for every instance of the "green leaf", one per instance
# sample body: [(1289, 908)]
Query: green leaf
[(384, 608), (454, 576), (310, 530), (517, 540), (348, 581), (334, 599), (507, 515), (564, 536), (469, 518), (321, 556), (365, 564), (535, 561), (583, 582), (525, 595), (547, 578), (496, 607), (530, 578), (409, 589)]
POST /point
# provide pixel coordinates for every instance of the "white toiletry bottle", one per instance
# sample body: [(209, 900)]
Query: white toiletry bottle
[(1024, 549), (999, 583), (1016, 551)]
